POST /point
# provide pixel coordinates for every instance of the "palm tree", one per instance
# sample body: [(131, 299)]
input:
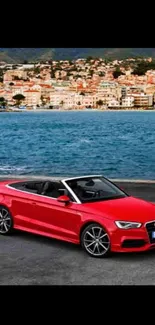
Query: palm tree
[(62, 103), (79, 103), (3, 101), (19, 98), (99, 102), (42, 100)]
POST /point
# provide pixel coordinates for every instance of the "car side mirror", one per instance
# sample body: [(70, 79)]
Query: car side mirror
[(63, 199)]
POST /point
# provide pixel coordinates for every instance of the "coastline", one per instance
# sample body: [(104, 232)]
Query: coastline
[(77, 110)]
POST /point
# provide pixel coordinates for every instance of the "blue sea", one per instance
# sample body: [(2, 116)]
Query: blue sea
[(115, 144)]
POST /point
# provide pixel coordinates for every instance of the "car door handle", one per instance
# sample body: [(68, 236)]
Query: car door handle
[(33, 203)]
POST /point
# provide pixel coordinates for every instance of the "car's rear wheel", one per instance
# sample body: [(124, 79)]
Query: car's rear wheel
[(6, 222), (95, 240)]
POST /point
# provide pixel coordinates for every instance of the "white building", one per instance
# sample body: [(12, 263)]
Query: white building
[(128, 101), (114, 103), (32, 98), (67, 100), (27, 66)]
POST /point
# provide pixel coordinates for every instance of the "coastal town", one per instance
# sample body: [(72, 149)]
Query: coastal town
[(91, 83)]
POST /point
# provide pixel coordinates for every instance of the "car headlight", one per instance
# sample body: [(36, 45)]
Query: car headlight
[(128, 224)]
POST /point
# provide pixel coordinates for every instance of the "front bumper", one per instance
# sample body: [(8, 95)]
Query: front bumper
[(132, 240)]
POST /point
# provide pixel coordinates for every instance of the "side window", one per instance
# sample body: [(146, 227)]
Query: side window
[(51, 190), (55, 189)]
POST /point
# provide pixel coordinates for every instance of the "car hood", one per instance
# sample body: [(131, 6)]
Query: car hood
[(128, 208)]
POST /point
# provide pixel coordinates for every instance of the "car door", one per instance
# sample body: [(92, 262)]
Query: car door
[(56, 219), (23, 208)]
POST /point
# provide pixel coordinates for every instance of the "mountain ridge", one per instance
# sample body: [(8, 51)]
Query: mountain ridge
[(18, 55)]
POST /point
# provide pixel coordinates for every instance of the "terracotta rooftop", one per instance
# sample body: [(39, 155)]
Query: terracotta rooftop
[(31, 91)]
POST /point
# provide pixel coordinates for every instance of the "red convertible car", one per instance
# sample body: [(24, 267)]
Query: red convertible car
[(88, 210)]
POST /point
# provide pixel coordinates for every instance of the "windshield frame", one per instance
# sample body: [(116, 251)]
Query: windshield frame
[(79, 200)]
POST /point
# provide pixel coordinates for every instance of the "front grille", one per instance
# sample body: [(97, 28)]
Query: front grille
[(133, 243), (150, 227)]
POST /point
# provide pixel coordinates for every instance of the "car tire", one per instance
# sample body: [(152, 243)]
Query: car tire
[(6, 221), (95, 241)]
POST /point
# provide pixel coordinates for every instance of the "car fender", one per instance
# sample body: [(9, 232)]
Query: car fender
[(6, 201), (102, 221)]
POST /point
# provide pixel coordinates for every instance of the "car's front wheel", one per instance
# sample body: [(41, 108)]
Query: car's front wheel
[(6, 222), (95, 240)]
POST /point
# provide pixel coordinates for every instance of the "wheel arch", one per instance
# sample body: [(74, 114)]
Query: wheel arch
[(86, 224), (6, 206), (6, 202)]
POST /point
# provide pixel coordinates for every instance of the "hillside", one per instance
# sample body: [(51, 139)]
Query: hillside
[(17, 55)]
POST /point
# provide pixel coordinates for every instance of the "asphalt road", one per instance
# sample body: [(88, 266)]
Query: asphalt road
[(27, 259)]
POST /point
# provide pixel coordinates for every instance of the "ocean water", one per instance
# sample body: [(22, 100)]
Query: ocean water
[(115, 144)]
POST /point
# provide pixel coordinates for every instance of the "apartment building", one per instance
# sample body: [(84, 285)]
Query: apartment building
[(89, 100), (72, 100), (58, 98), (108, 91), (18, 89), (135, 90), (9, 97), (142, 100), (32, 98), (108, 88), (113, 104), (127, 101)]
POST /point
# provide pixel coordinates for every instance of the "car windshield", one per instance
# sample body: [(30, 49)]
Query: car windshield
[(93, 189)]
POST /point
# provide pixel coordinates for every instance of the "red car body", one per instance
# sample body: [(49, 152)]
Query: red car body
[(49, 217)]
